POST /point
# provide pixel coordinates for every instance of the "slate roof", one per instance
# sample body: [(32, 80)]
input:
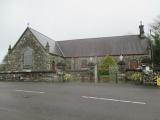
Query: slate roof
[(54, 48), (117, 45)]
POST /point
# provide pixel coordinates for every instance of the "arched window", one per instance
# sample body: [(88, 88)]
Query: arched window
[(28, 59), (53, 66)]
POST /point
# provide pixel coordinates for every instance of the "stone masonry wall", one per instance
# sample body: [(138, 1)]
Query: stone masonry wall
[(75, 63)]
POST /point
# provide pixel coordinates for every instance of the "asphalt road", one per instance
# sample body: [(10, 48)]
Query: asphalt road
[(77, 101)]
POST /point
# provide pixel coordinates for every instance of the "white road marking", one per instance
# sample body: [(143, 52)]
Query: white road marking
[(29, 91), (115, 100)]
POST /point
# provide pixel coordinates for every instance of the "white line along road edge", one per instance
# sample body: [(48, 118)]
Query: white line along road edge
[(29, 91), (115, 100)]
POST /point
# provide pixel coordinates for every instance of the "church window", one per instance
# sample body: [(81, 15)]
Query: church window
[(83, 63), (53, 66), (133, 64), (68, 64), (28, 58)]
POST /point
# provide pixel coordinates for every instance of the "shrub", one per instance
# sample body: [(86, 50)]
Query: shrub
[(104, 78), (107, 61), (137, 77), (68, 77)]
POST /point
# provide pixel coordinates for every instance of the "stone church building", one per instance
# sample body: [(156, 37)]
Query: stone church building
[(35, 56)]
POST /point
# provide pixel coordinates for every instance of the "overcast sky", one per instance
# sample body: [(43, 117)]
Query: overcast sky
[(72, 19)]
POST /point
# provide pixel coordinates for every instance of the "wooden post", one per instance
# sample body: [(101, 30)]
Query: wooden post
[(95, 74), (95, 71), (116, 78)]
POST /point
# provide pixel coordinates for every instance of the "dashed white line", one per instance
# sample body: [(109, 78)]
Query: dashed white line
[(115, 100), (29, 91)]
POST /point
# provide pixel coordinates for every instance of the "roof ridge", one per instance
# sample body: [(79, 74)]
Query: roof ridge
[(41, 33), (98, 37)]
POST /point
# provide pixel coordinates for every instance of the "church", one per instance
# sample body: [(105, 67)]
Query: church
[(35, 56)]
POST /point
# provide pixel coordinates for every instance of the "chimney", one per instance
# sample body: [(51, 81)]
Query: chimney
[(141, 30), (47, 47), (9, 49)]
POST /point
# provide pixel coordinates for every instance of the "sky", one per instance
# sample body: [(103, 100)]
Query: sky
[(73, 19)]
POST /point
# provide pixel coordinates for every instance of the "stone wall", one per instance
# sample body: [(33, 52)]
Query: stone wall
[(29, 76), (75, 63), (81, 76)]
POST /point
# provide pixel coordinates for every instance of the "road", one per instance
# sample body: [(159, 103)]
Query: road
[(78, 101)]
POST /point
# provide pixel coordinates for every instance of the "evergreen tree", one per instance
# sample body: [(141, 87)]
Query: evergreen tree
[(105, 63), (155, 40)]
